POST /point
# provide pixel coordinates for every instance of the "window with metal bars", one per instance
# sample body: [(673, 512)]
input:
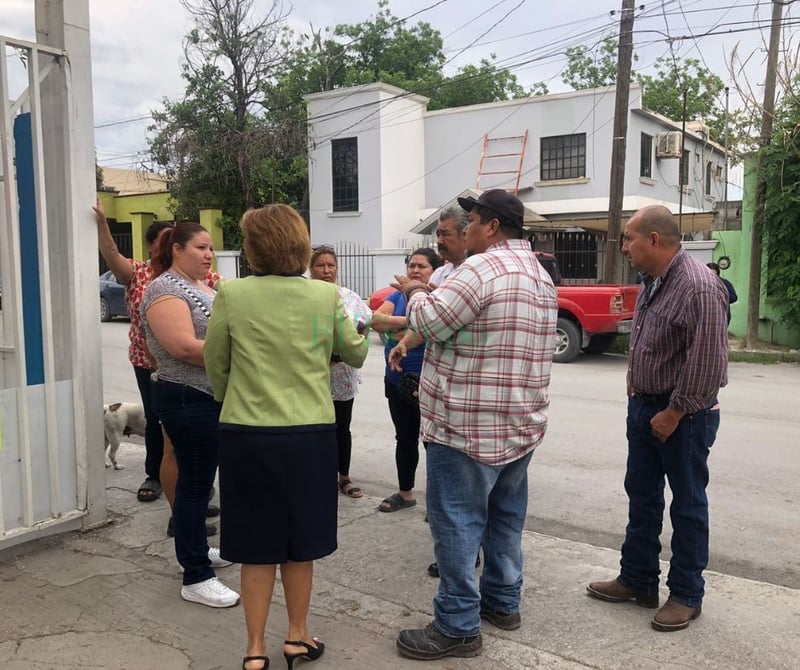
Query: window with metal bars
[(563, 157), (344, 160), (646, 156), (684, 168)]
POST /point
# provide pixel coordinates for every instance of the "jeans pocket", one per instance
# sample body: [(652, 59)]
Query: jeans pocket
[(712, 426)]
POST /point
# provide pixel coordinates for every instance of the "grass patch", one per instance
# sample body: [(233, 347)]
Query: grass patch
[(622, 345), (764, 357)]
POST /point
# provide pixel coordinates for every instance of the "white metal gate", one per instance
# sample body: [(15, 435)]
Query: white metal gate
[(50, 386)]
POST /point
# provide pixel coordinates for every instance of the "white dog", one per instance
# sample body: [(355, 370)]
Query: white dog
[(121, 419)]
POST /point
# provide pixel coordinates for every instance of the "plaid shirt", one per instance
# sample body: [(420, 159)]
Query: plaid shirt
[(679, 337), (490, 332)]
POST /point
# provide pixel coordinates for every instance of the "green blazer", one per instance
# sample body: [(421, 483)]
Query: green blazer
[(268, 350)]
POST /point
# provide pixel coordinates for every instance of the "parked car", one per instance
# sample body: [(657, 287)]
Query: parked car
[(590, 316), (112, 297)]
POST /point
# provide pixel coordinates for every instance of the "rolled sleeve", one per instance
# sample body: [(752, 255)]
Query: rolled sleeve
[(436, 316)]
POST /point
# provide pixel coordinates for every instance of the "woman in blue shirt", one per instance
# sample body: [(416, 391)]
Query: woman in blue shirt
[(390, 318)]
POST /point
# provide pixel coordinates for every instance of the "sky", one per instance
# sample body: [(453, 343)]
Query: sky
[(137, 45)]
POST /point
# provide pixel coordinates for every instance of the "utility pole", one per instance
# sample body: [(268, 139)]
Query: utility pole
[(727, 161), (683, 166), (756, 247), (611, 273)]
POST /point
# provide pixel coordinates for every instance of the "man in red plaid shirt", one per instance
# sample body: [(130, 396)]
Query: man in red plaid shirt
[(489, 333)]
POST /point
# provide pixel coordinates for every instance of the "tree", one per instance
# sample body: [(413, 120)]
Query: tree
[(781, 167), (588, 69), (475, 84), (384, 49), (237, 139), (663, 90), (663, 93), (217, 144)]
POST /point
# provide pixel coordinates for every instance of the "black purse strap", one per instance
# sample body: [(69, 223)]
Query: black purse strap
[(188, 290)]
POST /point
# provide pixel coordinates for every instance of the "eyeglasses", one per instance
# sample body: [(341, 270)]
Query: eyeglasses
[(322, 247)]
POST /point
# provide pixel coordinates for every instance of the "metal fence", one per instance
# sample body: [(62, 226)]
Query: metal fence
[(121, 232), (356, 267), (581, 256)]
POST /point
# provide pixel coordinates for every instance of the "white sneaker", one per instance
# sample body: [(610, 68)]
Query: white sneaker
[(211, 592), (216, 560), (214, 557)]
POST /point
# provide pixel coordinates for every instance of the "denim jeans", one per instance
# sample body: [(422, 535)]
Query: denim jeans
[(683, 459), (191, 420), (153, 437), (472, 505)]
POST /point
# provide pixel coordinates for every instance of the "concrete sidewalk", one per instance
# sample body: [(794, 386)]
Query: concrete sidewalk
[(110, 599)]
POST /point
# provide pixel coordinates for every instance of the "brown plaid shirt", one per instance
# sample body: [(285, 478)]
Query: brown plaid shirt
[(679, 339)]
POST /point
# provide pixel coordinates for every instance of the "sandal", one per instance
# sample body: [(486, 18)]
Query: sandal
[(310, 653), (396, 502), (349, 489), (149, 490), (247, 659)]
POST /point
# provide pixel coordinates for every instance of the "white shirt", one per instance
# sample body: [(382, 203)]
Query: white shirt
[(441, 273)]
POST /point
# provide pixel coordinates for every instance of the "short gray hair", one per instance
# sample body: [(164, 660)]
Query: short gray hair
[(456, 214)]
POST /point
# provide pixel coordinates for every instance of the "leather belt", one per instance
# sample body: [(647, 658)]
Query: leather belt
[(653, 398)]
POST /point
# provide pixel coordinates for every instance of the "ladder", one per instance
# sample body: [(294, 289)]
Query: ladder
[(502, 156)]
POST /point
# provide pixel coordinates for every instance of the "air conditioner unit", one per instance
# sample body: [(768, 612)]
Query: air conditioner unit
[(668, 145)]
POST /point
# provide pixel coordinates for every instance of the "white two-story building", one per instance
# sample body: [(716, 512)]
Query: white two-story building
[(381, 166)]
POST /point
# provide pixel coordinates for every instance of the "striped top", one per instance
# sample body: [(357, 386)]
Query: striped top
[(679, 338), (490, 332)]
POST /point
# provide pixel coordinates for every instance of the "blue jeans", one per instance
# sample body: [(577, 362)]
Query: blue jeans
[(472, 505), (191, 419), (683, 458)]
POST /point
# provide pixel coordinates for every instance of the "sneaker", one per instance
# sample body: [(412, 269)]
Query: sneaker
[(216, 560), (502, 620), (427, 644), (211, 592)]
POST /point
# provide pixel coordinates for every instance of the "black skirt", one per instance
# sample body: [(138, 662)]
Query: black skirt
[(278, 494)]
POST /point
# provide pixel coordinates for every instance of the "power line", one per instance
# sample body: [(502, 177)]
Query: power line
[(123, 121), (488, 30), (564, 40)]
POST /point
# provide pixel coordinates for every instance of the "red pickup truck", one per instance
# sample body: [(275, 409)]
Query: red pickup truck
[(590, 316)]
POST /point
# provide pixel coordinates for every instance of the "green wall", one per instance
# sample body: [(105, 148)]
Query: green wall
[(736, 245), (140, 210)]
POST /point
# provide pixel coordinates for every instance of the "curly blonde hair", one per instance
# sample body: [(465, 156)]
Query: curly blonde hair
[(276, 240)]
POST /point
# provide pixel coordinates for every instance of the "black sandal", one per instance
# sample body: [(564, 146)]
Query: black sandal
[(310, 654), (149, 491), (247, 659), (396, 502), (349, 489)]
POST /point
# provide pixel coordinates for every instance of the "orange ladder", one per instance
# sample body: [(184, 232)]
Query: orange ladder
[(511, 153)]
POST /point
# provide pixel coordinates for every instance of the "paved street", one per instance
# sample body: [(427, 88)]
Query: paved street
[(576, 476)]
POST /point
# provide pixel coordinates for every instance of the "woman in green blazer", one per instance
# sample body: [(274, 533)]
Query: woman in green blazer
[(267, 354)]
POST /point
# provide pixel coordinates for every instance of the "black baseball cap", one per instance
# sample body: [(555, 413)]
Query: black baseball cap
[(507, 206)]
